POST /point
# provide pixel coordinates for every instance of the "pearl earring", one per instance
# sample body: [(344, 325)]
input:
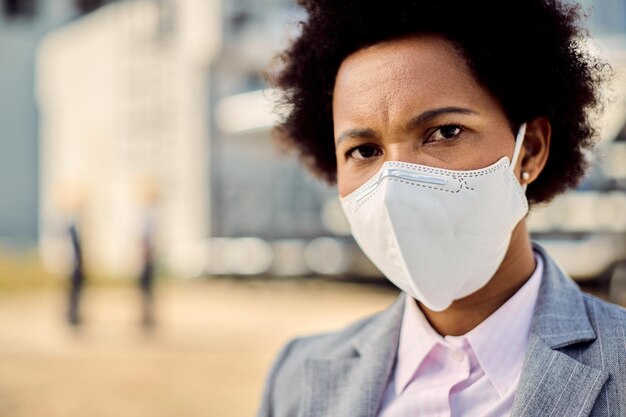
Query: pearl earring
[(525, 176)]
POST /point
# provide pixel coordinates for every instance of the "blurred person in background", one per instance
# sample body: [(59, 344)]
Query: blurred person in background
[(440, 122), (148, 194), (146, 277), (71, 200), (77, 276)]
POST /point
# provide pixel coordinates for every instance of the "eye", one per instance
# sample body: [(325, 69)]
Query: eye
[(363, 152), (446, 132)]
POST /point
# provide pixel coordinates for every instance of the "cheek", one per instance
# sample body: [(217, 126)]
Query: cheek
[(348, 181), (344, 184), (492, 145)]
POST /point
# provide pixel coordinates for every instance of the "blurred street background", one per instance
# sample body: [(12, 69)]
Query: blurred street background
[(156, 249)]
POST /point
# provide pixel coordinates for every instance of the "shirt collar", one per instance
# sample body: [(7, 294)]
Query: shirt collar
[(499, 342), (417, 339)]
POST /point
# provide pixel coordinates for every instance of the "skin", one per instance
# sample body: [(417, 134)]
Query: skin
[(416, 100)]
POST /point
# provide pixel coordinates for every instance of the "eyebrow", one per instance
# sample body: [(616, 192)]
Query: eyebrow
[(432, 114), (411, 125), (356, 133)]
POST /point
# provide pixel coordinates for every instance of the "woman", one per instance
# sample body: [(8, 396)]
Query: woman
[(440, 121)]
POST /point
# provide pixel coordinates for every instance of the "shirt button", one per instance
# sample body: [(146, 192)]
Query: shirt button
[(458, 355)]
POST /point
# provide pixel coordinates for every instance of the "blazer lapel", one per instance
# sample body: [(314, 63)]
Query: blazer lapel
[(352, 384), (553, 383)]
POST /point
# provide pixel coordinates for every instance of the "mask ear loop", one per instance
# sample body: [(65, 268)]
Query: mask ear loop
[(519, 140)]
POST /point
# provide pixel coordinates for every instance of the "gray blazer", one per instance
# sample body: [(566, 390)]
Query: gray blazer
[(575, 364)]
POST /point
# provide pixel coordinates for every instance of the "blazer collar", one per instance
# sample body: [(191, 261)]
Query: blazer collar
[(560, 316)]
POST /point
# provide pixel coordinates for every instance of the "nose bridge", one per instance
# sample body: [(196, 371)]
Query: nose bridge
[(404, 150)]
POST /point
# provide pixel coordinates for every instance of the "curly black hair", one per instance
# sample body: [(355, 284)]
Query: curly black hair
[(530, 54)]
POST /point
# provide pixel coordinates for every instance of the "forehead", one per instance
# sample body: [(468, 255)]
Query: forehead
[(403, 76)]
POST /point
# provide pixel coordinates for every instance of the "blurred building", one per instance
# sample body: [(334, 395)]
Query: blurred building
[(585, 229), (123, 95), (22, 24), (256, 191), (606, 17), (167, 99)]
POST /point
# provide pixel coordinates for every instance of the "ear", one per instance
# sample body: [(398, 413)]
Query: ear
[(535, 149)]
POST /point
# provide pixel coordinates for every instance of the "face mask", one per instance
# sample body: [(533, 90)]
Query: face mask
[(437, 234)]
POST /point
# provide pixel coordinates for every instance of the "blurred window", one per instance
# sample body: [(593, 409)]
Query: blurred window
[(16, 8), (86, 6)]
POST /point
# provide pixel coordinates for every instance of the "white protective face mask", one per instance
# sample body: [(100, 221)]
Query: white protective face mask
[(438, 234)]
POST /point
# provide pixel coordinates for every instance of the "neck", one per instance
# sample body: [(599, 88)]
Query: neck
[(468, 312)]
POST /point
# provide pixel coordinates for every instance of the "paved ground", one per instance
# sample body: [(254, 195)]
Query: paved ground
[(208, 355)]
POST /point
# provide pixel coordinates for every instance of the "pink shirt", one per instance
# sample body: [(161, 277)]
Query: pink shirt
[(475, 374)]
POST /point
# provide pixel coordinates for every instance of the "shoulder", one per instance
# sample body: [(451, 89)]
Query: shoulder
[(292, 359), (289, 370), (341, 343), (608, 321), (329, 344)]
